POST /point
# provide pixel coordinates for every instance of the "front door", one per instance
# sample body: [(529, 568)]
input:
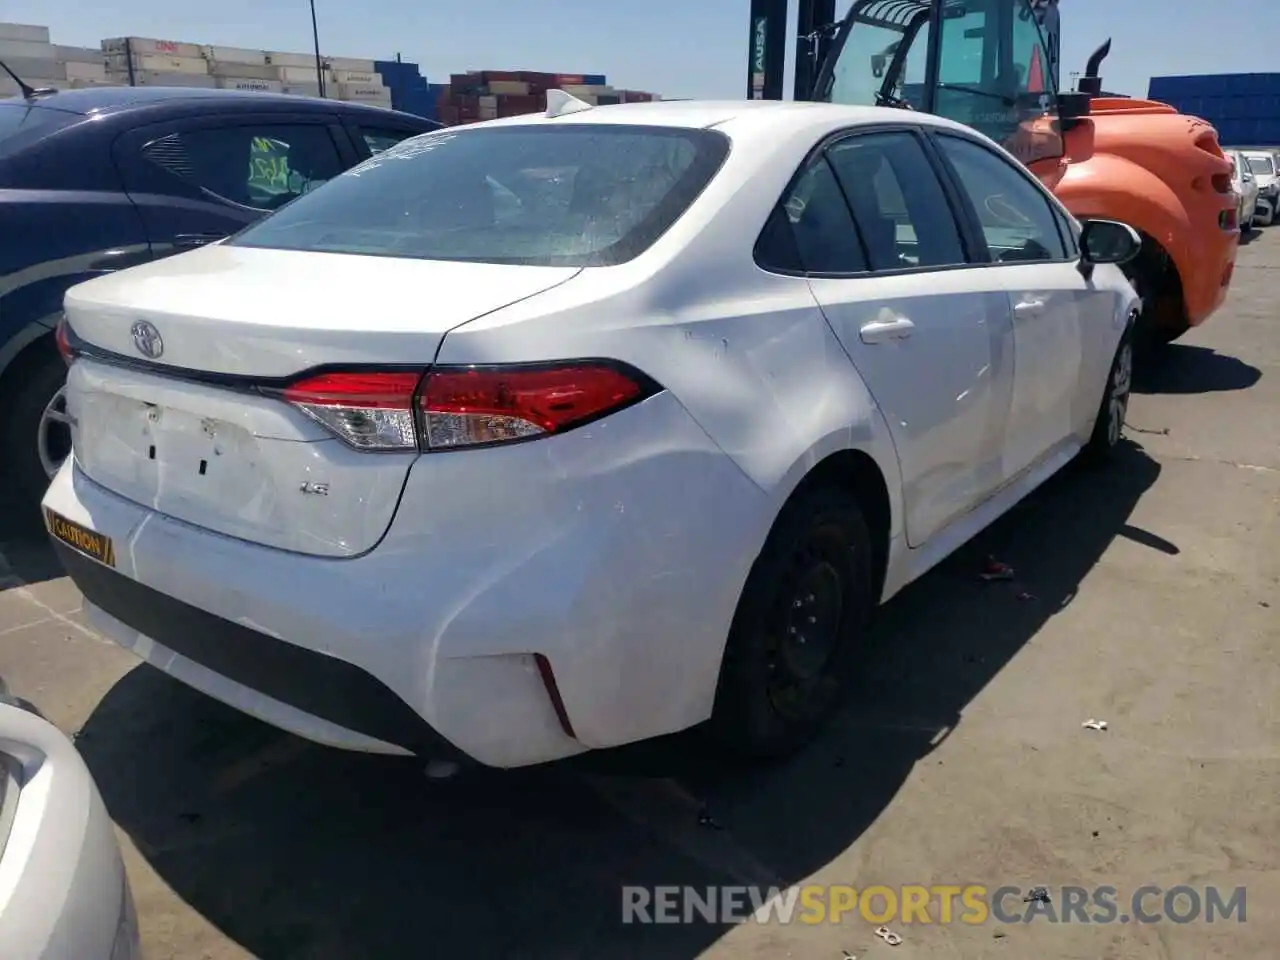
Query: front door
[(1036, 265), (928, 331)]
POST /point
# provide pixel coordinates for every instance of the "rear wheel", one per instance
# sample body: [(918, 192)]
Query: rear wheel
[(34, 433), (799, 629)]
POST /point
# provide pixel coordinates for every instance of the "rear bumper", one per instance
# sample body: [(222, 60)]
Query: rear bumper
[(312, 683), (614, 556)]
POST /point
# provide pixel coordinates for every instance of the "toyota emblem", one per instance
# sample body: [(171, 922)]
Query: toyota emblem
[(147, 339)]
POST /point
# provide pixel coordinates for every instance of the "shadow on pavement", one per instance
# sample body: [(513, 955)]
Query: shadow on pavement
[(25, 553), (295, 851), (1183, 368)]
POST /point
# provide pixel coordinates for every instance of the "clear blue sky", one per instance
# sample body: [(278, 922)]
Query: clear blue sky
[(678, 48)]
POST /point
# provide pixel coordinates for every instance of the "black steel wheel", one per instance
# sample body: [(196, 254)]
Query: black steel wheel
[(799, 630)]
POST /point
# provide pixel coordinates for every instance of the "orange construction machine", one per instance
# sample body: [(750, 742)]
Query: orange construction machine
[(994, 65)]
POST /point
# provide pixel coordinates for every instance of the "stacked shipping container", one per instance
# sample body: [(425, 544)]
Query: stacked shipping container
[(1244, 107), (30, 54), (409, 89), (488, 94), (142, 61)]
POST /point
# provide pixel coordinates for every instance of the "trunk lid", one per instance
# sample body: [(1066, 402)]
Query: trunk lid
[(252, 312), (181, 429)]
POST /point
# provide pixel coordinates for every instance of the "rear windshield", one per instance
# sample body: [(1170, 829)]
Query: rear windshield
[(571, 195), (1262, 165), (21, 124)]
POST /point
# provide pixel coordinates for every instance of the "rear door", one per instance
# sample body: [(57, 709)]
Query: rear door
[(928, 331), (201, 178)]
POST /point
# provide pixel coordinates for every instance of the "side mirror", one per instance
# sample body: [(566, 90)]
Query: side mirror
[(1108, 241)]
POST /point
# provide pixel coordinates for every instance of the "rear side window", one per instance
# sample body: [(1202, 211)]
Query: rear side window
[(811, 229), (563, 195), (261, 166), (21, 124)]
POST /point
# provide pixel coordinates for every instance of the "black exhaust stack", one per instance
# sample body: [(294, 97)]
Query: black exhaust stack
[(1091, 83)]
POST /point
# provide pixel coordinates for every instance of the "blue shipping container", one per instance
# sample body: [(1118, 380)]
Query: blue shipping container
[(1243, 107)]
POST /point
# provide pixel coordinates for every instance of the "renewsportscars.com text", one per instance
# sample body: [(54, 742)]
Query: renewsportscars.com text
[(937, 903)]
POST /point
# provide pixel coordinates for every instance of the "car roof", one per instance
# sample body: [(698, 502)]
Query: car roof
[(102, 100), (746, 115)]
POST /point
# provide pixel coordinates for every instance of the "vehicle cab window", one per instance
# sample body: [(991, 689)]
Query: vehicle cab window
[(1017, 220), (995, 69), (262, 166)]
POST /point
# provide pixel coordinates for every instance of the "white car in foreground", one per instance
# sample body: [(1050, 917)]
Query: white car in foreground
[(63, 890), (559, 432), (1262, 164)]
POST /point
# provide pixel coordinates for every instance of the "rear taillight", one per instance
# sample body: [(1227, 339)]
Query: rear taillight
[(368, 411), (467, 407), (62, 336), (457, 407)]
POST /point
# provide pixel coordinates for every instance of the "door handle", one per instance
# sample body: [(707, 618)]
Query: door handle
[(1029, 308), (196, 239), (881, 331)]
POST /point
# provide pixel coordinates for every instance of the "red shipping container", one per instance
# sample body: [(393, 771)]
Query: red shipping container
[(489, 75), (570, 79)]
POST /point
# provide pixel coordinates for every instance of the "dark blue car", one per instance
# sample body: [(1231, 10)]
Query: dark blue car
[(98, 180)]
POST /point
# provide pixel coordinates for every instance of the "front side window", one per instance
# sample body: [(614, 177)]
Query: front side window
[(1017, 219), (566, 195), (898, 204), (263, 166)]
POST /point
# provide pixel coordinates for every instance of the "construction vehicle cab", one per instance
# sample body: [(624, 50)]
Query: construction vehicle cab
[(994, 65)]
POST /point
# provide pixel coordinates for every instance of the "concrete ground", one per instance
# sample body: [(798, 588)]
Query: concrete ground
[(1156, 592)]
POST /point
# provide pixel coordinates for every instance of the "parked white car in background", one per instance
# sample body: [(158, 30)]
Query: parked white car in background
[(1262, 164), (404, 470), (63, 890), (1246, 187)]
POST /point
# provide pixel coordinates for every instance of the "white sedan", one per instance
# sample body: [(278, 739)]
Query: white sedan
[(564, 431), (63, 890)]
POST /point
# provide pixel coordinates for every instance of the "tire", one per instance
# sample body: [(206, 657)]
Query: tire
[(1144, 272), (814, 572), (33, 386), (1109, 426)]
